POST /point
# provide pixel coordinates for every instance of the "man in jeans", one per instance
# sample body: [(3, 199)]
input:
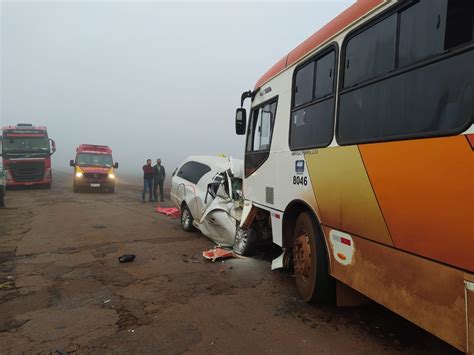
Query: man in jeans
[(147, 179), (159, 178)]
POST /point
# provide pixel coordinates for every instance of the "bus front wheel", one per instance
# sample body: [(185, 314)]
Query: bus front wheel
[(310, 261)]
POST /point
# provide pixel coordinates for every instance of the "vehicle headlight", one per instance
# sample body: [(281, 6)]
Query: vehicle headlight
[(79, 174), (111, 176)]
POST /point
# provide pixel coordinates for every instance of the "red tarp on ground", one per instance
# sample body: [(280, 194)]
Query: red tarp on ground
[(169, 211), (217, 253)]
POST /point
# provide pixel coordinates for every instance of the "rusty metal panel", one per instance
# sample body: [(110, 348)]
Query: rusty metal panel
[(470, 316), (418, 289)]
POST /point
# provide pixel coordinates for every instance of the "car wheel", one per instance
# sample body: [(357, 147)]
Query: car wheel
[(310, 261), (245, 240), (186, 219)]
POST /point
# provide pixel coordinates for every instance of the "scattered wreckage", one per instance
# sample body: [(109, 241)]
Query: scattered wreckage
[(208, 192)]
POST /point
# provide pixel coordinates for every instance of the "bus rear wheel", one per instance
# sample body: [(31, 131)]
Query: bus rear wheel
[(310, 261)]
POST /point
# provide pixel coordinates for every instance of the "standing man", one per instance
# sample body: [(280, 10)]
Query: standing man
[(159, 178), (147, 179)]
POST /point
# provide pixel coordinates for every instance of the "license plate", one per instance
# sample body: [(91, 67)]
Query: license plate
[(95, 185)]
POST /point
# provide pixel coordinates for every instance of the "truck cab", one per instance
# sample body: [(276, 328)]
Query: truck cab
[(94, 168), (27, 151)]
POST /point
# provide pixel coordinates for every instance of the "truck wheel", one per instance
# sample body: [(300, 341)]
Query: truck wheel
[(75, 189), (186, 219), (47, 186), (112, 190), (245, 240), (311, 262)]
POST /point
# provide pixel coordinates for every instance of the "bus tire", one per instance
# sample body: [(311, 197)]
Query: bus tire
[(310, 261), (186, 219)]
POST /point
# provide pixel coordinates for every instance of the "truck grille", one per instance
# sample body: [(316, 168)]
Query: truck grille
[(27, 171), (95, 177)]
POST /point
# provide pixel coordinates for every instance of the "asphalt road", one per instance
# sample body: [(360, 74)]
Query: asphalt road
[(62, 289)]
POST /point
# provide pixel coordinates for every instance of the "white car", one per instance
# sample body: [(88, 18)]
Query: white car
[(208, 192)]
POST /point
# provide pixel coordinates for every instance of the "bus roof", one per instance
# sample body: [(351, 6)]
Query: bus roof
[(94, 148), (344, 19)]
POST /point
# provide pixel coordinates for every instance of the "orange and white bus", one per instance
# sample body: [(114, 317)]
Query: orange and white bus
[(359, 159)]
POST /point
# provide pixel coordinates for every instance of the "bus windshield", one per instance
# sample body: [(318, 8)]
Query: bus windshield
[(86, 159)]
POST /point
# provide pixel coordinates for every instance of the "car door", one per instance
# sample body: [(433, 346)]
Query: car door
[(186, 189)]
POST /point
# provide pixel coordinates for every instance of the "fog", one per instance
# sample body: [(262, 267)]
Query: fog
[(149, 79)]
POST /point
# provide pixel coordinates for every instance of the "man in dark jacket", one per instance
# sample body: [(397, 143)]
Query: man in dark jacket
[(148, 174), (159, 179)]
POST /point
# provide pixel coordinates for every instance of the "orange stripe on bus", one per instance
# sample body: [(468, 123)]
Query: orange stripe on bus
[(425, 190)]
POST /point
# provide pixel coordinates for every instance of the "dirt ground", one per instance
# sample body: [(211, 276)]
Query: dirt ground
[(62, 289)]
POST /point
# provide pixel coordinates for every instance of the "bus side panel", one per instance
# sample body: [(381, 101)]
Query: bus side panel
[(344, 194), (425, 190), (427, 293)]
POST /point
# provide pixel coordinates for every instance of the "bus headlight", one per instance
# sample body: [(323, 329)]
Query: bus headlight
[(79, 174), (111, 176)]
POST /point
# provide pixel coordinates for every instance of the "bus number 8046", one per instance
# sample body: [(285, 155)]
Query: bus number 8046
[(300, 180)]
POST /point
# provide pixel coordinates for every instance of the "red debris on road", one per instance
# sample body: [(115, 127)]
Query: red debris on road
[(218, 253), (169, 211)]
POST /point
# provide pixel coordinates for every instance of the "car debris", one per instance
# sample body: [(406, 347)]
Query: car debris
[(169, 211), (126, 258), (218, 253), (208, 192)]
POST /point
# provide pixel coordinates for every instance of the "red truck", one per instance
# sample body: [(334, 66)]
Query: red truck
[(27, 154), (94, 168)]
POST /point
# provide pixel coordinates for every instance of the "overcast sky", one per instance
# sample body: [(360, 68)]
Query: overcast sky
[(150, 79)]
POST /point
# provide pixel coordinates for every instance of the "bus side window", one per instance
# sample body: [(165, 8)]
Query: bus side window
[(459, 23), (432, 98), (312, 123), (304, 84), (432, 26)]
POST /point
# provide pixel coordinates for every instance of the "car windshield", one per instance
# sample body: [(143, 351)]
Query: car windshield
[(22, 145), (94, 159)]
